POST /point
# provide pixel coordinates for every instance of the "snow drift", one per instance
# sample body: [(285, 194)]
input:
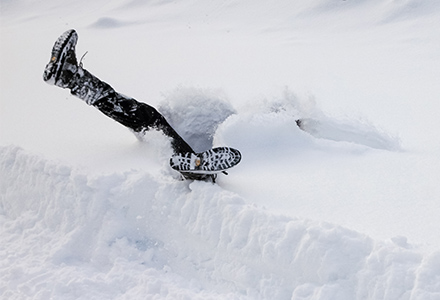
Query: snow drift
[(131, 235)]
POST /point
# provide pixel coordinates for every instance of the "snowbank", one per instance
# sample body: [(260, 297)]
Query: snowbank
[(131, 236)]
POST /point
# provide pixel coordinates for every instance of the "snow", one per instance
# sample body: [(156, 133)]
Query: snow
[(346, 209)]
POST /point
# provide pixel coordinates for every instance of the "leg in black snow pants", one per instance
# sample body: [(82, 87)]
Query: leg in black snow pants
[(137, 116), (64, 71)]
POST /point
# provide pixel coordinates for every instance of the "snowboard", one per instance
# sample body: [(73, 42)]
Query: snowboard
[(205, 165)]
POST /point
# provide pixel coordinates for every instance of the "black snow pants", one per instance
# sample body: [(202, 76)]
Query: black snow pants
[(137, 116)]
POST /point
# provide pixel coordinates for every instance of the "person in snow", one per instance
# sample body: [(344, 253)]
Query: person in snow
[(64, 71)]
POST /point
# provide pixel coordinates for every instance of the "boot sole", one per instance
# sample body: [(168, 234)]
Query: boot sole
[(209, 162), (63, 44)]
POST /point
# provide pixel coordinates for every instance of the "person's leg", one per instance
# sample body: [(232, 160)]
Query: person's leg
[(137, 116), (64, 71)]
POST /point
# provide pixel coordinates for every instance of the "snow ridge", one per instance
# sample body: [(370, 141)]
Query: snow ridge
[(120, 236)]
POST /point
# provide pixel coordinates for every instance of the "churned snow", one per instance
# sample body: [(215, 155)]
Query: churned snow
[(345, 209)]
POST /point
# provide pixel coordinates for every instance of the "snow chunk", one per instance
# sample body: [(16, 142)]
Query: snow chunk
[(196, 113)]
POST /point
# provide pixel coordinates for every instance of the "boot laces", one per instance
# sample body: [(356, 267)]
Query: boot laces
[(81, 60)]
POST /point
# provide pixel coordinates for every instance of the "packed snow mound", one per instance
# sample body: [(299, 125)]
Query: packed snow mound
[(275, 124), (139, 235), (202, 116)]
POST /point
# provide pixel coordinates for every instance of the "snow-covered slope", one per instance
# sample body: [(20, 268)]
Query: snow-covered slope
[(346, 208)]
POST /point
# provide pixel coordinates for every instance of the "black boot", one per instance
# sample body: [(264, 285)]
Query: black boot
[(63, 71), (63, 64)]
